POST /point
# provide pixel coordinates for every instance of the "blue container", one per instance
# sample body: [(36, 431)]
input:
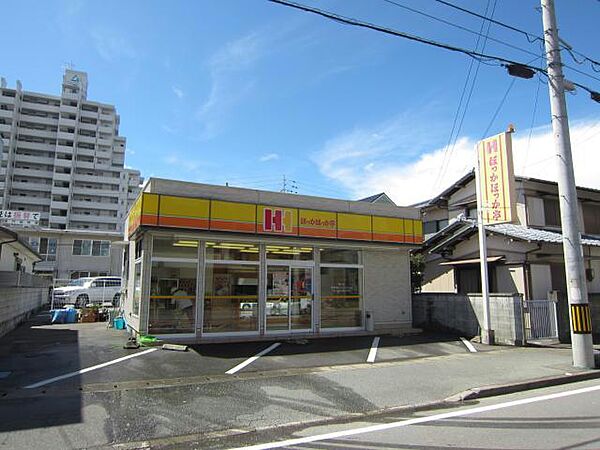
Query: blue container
[(71, 316), (119, 323)]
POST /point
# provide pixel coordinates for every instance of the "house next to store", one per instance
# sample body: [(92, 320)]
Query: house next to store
[(524, 257)]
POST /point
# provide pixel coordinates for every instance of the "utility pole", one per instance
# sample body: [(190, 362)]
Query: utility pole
[(581, 332)]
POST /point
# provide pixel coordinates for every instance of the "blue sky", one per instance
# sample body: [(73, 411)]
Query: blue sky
[(247, 91)]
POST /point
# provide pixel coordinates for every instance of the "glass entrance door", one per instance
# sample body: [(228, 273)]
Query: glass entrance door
[(289, 298)]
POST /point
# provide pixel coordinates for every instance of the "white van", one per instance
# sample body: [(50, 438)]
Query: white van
[(85, 291)]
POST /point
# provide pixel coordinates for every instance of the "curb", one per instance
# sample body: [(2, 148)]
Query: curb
[(510, 388)]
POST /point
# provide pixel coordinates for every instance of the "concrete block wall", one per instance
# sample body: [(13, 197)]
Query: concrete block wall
[(464, 314), (18, 303)]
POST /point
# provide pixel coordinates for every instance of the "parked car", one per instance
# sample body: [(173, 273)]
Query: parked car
[(92, 290)]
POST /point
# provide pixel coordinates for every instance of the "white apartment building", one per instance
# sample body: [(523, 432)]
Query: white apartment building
[(63, 157)]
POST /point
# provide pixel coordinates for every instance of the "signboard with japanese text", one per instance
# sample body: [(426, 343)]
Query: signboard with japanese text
[(496, 179), (20, 218)]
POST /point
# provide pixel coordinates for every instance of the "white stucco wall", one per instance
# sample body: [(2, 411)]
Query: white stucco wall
[(387, 291)]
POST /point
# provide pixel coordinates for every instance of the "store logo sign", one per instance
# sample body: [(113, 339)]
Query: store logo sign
[(277, 220)]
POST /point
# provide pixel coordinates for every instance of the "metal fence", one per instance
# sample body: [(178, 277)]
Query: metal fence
[(541, 321)]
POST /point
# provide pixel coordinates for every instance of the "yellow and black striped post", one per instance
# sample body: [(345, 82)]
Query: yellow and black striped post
[(581, 319)]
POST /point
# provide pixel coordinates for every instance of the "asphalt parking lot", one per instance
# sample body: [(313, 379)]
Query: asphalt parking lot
[(36, 353)]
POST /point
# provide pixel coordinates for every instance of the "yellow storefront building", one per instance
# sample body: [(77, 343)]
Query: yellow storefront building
[(210, 263)]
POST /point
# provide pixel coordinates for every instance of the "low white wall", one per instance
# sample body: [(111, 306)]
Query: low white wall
[(18, 303)]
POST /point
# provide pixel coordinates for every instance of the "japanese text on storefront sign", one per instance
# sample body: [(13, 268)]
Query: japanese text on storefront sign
[(9, 217), (315, 222), (496, 178)]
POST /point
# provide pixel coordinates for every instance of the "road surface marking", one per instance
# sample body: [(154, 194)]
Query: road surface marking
[(254, 358), (419, 420), (468, 345), (373, 351), (87, 369)]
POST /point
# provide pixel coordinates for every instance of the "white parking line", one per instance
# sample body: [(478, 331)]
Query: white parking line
[(254, 358), (470, 346), (373, 351), (418, 420), (87, 369)]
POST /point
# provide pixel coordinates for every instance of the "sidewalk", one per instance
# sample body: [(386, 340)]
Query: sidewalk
[(195, 409)]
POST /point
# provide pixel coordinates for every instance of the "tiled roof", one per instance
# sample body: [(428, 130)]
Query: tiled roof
[(535, 235)]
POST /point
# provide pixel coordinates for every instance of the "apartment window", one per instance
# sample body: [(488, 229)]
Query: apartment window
[(591, 218), (552, 212), (433, 226), (46, 247), (87, 247)]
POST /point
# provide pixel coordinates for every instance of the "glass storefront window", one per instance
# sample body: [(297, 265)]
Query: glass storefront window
[(234, 251), (341, 305), (172, 297), (230, 298), (137, 288), (340, 256), (174, 248), (289, 252)]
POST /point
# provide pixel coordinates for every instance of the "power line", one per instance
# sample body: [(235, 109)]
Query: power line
[(531, 37), (460, 27), (450, 146), (485, 58), (485, 133)]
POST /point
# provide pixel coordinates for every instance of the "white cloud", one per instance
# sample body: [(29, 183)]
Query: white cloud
[(227, 87), (177, 91), (370, 160), (130, 151), (269, 157), (111, 45)]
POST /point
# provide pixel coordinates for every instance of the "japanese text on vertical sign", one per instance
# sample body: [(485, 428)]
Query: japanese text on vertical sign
[(496, 176)]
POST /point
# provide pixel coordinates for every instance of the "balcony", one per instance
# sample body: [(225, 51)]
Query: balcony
[(70, 95), (59, 162), (72, 123), (36, 145), (5, 127), (6, 114), (90, 218), (86, 139), (59, 190), (58, 205), (40, 120), (37, 133), (96, 179), (62, 176), (57, 219), (31, 186), (89, 114), (40, 106), (7, 100), (68, 109), (65, 135), (28, 200), (64, 149), (95, 205), (31, 173), (34, 159), (87, 126)]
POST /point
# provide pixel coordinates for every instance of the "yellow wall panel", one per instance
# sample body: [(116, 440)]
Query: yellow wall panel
[(229, 216), (149, 203), (355, 222), (184, 206)]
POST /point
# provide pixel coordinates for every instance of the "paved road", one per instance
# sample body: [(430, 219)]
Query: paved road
[(564, 417)]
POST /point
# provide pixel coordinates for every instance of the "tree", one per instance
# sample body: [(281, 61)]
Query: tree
[(417, 266)]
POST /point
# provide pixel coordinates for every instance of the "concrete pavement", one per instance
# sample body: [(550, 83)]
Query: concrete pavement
[(170, 399)]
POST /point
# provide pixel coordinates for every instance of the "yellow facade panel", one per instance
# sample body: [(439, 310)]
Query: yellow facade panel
[(149, 203), (354, 222), (184, 207)]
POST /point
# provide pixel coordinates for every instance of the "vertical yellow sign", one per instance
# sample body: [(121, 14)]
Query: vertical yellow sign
[(497, 179)]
